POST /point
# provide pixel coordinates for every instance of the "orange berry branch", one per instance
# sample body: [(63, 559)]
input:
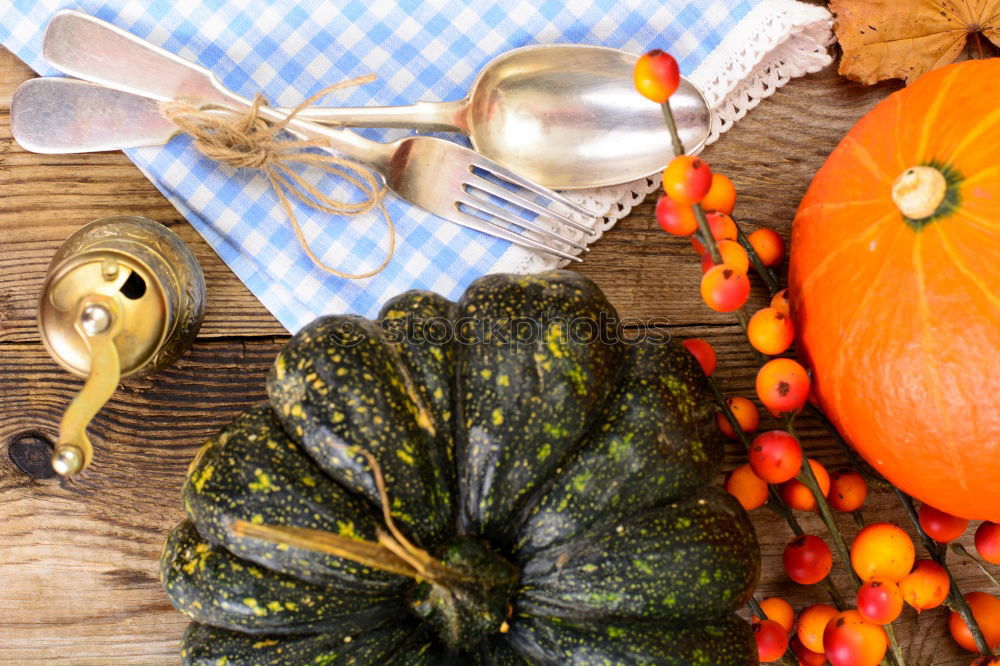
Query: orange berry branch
[(881, 561)]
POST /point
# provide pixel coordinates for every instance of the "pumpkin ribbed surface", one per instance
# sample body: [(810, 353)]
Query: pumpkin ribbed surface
[(557, 479), (899, 317)]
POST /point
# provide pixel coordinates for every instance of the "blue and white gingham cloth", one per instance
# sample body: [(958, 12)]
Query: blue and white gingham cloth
[(419, 50)]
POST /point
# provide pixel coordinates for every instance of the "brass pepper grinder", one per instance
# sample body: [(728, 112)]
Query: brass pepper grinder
[(123, 297)]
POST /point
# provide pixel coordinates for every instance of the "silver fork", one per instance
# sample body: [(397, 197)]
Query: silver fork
[(431, 173)]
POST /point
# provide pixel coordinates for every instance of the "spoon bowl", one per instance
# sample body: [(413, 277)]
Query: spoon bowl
[(570, 117)]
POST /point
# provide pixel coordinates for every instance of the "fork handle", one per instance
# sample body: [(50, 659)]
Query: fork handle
[(425, 116)]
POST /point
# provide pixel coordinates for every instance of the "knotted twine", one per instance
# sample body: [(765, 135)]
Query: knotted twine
[(248, 141)]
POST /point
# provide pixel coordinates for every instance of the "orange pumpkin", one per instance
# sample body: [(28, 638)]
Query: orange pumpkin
[(895, 283)]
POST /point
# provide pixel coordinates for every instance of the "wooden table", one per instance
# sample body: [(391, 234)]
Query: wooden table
[(78, 560)]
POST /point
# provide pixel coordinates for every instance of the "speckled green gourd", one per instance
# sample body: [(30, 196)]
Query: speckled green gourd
[(548, 481)]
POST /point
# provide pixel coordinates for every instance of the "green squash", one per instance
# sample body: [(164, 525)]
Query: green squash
[(495, 481)]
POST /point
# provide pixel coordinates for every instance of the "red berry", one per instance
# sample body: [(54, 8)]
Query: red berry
[(807, 559), (772, 640), (656, 76), (940, 526), (782, 385), (746, 415), (926, 586), (721, 195), (748, 488), (722, 228), (880, 601), (768, 246), (775, 456), (733, 255), (674, 218), (848, 490), (724, 288), (770, 331), (686, 179), (988, 542), (797, 494), (704, 352), (850, 640)]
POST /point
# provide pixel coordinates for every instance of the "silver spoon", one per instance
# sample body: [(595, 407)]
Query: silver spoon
[(567, 116)]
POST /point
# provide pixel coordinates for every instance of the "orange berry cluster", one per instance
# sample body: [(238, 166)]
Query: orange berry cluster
[(688, 182), (883, 557)]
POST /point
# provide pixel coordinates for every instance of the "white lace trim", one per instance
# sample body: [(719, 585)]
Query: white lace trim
[(775, 42)]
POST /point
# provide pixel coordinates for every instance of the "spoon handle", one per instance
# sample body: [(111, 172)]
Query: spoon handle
[(426, 116)]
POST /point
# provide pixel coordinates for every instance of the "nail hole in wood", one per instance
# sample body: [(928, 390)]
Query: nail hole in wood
[(31, 452)]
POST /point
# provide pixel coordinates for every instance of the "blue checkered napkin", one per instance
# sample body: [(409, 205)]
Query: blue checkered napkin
[(420, 50)]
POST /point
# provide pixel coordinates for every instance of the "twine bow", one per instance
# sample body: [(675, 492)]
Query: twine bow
[(248, 141)]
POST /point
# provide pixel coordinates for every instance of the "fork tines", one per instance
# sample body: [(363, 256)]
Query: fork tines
[(490, 200)]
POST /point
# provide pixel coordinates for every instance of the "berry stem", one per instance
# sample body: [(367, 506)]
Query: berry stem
[(894, 651), (783, 511), (675, 137), (807, 477), (955, 598), (960, 550), (706, 233), (765, 273), (699, 213), (775, 503)]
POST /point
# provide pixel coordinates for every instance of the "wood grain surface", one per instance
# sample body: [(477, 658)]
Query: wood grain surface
[(78, 560)]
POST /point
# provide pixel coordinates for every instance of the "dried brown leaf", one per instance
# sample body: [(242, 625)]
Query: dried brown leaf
[(902, 39)]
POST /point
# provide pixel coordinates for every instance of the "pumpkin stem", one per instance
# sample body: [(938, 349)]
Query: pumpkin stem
[(919, 191), (418, 554), (384, 555), (392, 552), (368, 553)]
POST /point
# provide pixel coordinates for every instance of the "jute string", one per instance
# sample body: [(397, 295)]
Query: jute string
[(248, 141)]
